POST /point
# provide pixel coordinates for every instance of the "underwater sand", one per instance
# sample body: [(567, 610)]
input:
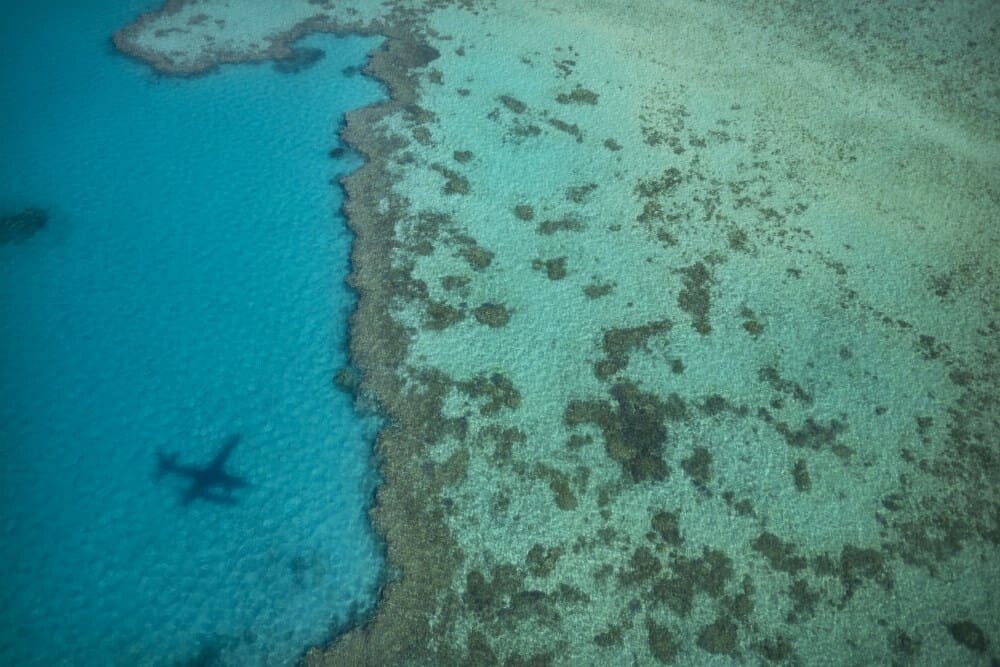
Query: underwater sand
[(683, 318)]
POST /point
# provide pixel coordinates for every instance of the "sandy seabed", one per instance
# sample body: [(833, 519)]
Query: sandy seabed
[(683, 317)]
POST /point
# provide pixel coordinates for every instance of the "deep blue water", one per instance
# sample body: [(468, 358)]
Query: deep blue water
[(187, 288)]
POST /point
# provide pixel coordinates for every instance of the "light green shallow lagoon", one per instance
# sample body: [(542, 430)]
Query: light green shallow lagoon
[(684, 320)]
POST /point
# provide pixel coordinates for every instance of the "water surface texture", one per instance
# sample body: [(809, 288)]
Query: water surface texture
[(182, 292)]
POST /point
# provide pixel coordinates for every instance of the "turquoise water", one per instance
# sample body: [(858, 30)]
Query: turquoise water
[(186, 289)]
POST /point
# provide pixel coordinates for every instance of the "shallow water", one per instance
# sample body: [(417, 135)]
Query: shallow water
[(186, 288)]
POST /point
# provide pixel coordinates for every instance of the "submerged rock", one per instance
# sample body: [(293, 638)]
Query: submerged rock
[(300, 59), (20, 227)]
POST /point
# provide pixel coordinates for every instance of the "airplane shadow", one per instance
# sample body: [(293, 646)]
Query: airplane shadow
[(209, 482)]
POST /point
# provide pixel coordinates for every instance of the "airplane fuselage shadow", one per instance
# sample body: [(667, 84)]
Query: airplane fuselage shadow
[(209, 482)]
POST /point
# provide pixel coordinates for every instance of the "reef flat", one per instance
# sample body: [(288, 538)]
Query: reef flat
[(683, 318)]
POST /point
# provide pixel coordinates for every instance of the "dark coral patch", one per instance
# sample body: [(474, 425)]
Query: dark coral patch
[(555, 269), (698, 466), (667, 181), (487, 598), (777, 649), (596, 291), (662, 644), (497, 389), (579, 194), (439, 315), (667, 526), (804, 599), (423, 135), (578, 95), (619, 343), (905, 645), (565, 498), (524, 212), (753, 327), (492, 314), (929, 348), (714, 404), (452, 283), (571, 129), (519, 131), (455, 183), (688, 576), (812, 433), (541, 560), (859, 565), (478, 595), (633, 429), (770, 375), (610, 637), (738, 240), (800, 473), (477, 256), (513, 104), (479, 651), (695, 298), (969, 635), (719, 637), (549, 227), (346, 379), (779, 554), (501, 600), (642, 567), (503, 439)]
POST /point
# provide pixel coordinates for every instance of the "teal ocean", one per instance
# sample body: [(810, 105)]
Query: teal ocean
[(186, 290)]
